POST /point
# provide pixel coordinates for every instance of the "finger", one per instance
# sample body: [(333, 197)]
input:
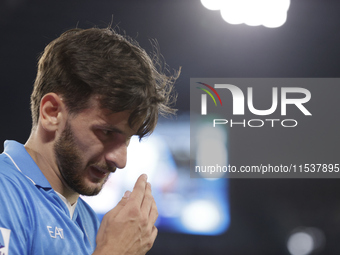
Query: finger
[(121, 204), (151, 239), (148, 200), (153, 235), (124, 199), (153, 213), (139, 190), (127, 194), (154, 232)]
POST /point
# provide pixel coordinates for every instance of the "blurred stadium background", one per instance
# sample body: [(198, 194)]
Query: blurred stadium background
[(251, 216)]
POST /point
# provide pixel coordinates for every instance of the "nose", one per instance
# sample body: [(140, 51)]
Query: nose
[(116, 155)]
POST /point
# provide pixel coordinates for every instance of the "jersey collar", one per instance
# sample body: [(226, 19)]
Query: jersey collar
[(25, 164)]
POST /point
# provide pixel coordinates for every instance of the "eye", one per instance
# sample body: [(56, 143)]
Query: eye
[(107, 132)]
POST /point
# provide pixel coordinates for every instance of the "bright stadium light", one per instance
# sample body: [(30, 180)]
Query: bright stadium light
[(300, 243), (268, 13), (202, 216), (233, 12), (304, 241), (212, 5), (275, 19)]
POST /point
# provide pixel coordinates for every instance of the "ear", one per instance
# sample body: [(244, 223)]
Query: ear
[(52, 112)]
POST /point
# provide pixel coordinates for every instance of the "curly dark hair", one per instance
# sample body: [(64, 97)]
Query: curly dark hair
[(82, 63)]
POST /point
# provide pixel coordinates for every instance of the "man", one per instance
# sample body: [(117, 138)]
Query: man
[(94, 90)]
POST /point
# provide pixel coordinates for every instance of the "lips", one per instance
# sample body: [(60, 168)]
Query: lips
[(98, 173)]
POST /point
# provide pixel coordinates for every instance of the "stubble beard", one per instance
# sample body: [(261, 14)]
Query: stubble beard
[(69, 162)]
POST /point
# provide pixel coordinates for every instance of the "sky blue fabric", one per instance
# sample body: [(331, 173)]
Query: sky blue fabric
[(34, 216)]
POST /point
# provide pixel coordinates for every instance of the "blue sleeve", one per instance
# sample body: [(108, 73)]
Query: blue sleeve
[(15, 218)]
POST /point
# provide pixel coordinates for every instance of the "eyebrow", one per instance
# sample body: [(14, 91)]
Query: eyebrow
[(114, 129)]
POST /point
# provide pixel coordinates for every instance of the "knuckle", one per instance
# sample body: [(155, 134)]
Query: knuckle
[(144, 220), (150, 243), (148, 232), (153, 235), (134, 212)]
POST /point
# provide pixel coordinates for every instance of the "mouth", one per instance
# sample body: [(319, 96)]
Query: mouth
[(99, 173)]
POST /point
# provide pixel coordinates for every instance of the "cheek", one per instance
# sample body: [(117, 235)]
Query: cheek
[(88, 145)]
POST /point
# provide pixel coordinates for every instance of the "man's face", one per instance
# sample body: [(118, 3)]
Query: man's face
[(91, 146)]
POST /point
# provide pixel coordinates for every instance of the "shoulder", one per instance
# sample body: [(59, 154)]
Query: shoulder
[(15, 190), (6, 166), (15, 213), (12, 179), (14, 185)]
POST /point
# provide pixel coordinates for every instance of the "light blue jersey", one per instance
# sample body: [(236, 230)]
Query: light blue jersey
[(33, 218)]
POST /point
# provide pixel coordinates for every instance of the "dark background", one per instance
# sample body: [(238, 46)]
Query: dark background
[(263, 211)]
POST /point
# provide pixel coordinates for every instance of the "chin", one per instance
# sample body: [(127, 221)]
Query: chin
[(90, 188)]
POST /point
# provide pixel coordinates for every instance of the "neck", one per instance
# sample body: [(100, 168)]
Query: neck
[(41, 150)]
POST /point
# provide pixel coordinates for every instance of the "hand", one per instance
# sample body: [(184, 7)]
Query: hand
[(128, 229)]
